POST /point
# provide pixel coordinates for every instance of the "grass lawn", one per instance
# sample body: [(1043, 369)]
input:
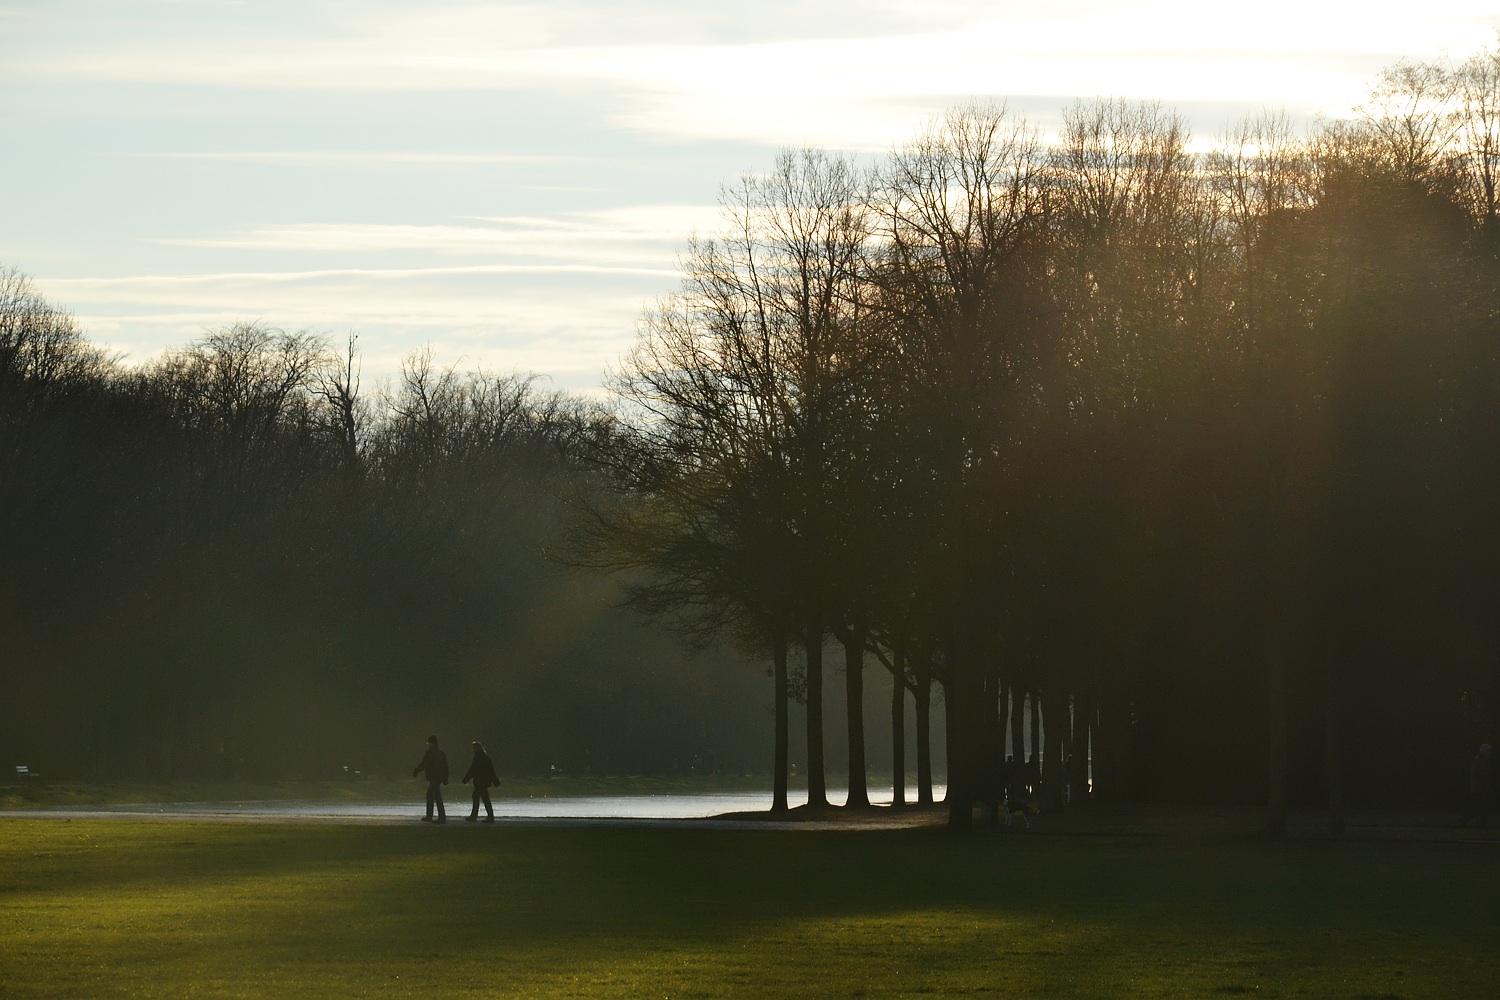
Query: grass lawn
[(174, 909)]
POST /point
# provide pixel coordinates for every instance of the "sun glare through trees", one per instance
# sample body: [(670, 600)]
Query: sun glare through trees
[(1164, 465)]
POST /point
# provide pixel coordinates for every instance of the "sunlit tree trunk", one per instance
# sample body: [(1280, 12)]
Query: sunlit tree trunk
[(1018, 724)]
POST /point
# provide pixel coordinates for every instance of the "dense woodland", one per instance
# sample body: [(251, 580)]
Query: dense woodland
[(235, 563), (1181, 464), (1193, 454)]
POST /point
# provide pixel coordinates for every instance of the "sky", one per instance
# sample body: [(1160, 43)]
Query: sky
[(511, 183)]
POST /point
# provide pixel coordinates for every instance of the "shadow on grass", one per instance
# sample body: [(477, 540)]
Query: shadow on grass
[(692, 880), (605, 911)]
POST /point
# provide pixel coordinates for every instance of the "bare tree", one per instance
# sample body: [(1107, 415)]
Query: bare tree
[(739, 390), (1479, 92), (42, 350), (962, 206), (346, 414), (1414, 115)]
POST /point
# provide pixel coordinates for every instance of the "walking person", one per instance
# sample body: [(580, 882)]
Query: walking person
[(482, 772), (435, 763), (1481, 787)]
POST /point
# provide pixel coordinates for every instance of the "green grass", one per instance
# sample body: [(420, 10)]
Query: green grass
[(174, 909)]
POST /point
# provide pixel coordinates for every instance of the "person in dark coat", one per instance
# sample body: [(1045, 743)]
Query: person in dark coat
[(435, 763), (1481, 787), (1032, 775), (1013, 780), (482, 772)]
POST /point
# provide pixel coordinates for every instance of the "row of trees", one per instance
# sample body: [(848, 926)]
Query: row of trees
[(235, 561), (1195, 452), (1183, 461)]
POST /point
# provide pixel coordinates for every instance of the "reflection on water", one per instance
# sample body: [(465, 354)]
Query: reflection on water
[(645, 807)]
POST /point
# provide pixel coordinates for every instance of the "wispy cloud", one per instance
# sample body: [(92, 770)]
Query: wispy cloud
[(368, 97), (561, 294), (353, 158), (640, 237), (495, 45), (148, 287), (505, 317), (804, 88)]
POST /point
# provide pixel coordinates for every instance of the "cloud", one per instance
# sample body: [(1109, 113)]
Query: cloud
[(505, 317), (641, 238), (397, 261), (555, 294), (340, 297), (353, 158), (854, 88)]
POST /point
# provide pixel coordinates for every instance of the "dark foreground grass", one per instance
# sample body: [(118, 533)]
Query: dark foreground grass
[(99, 909)]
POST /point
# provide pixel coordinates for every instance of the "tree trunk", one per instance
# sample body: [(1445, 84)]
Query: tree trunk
[(1067, 730), (991, 745), (1053, 765), (1081, 750), (817, 787), (898, 729), (1114, 746), (961, 699), (854, 700), (1018, 724), (1276, 750), (779, 777), (1036, 729), (1335, 739), (922, 698), (1066, 748), (960, 797)]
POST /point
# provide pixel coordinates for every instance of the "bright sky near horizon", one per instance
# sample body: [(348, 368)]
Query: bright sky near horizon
[(510, 182)]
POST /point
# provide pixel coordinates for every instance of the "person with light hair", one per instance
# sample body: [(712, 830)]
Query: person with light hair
[(482, 772)]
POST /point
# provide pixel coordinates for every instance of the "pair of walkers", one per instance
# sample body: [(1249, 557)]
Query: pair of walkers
[(481, 771)]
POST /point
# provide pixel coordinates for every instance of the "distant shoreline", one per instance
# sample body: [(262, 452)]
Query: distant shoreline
[(373, 791)]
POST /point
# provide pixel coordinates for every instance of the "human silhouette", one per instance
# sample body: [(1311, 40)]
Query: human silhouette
[(1481, 787), (1013, 780), (435, 763), (482, 772)]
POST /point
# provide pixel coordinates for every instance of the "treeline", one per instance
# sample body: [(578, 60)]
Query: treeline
[(1179, 464), (235, 562), (1191, 454)]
